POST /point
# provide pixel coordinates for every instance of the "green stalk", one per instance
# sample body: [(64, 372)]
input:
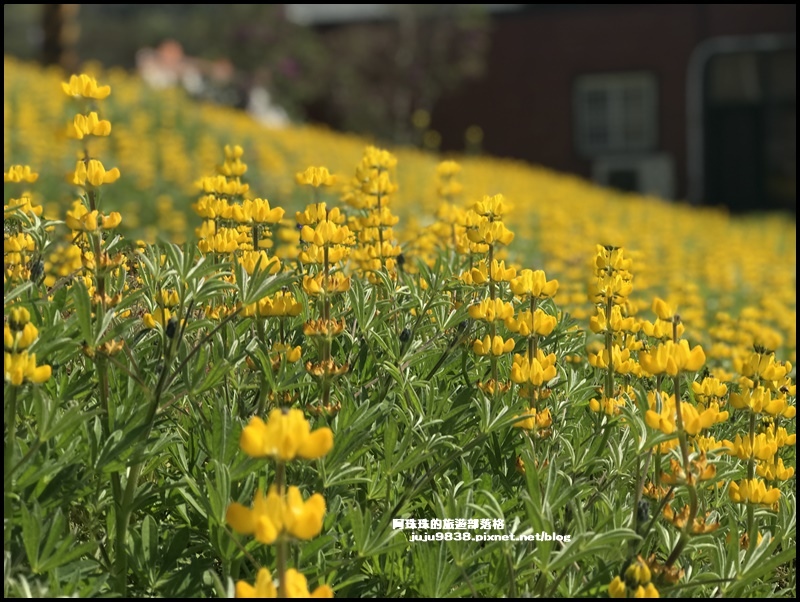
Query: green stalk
[(492, 325), (609, 392), (125, 506), (752, 531), (657, 471), (280, 485), (9, 450), (687, 528)]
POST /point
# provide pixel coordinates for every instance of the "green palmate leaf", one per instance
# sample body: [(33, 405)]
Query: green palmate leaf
[(439, 575)]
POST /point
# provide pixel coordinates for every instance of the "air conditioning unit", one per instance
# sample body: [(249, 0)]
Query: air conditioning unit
[(646, 174)]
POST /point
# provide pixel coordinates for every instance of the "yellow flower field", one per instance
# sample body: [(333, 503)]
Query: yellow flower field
[(289, 363)]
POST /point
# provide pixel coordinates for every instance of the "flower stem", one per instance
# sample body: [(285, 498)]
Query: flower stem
[(280, 486), (609, 392), (8, 462)]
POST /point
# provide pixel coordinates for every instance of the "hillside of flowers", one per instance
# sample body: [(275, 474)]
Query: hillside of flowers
[(293, 363)]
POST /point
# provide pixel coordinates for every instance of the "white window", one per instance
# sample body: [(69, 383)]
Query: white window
[(615, 113)]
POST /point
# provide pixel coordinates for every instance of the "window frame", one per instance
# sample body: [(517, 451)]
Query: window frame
[(613, 85)]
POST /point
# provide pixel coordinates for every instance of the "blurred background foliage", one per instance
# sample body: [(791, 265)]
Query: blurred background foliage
[(381, 77)]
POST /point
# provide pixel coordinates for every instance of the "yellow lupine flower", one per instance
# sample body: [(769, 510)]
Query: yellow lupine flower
[(664, 419), (538, 371), (635, 583), (708, 389), (264, 587), (534, 283), (19, 339), (761, 399), (316, 177), (490, 310), (599, 322), (24, 204), (662, 310), (250, 259), (88, 125), (220, 184), (274, 515), (607, 405), (762, 448), (327, 232), (160, 316), (292, 354), (612, 258), (621, 360), (20, 173), (500, 273), (616, 589), (280, 304), (660, 329), (296, 587), (93, 173), (285, 436), (491, 205), (493, 345), (753, 491), (335, 283), (774, 471), (695, 421), (491, 233), (761, 365), (86, 86), (536, 421), (671, 357), (259, 212), (526, 323), (21, 367)]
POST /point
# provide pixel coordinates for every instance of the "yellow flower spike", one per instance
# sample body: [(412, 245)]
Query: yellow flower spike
[(88, 125), (315, 177), (708, 389), (539, 323), (85, 86), (491, 205), (662, 310), (264, 587), (92, 173), (110, 221), (297, 587), (753, 491), (220, 184), (285, 436), (303, 520), (638, 572), (20, 173), (21, 367), (19, 339), (695, 421), (493, 345), (490, 310), (160, 316), (500, 273), (250, 259), (663, 420), (536, 421), (260, 212), (534, 283), (245, 520), (774, 471), (313, 214), (616, 589)]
